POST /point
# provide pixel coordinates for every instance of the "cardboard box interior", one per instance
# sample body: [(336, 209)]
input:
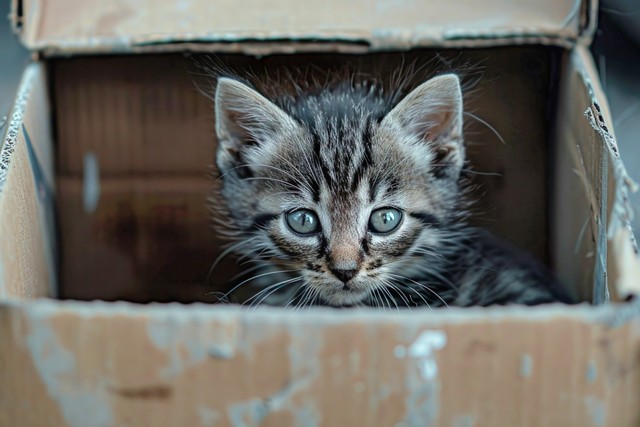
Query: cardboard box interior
[(136, 133), (134, 139), (134, 148)]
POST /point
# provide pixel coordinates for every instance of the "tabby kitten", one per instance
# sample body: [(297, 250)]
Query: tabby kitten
[(341, 198)]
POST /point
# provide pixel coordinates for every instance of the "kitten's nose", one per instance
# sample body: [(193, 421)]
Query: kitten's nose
[(344, 275)]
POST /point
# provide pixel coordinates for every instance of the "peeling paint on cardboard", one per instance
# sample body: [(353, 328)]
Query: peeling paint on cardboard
[(80, 404), (465, 420), (221, 351), (188, 341), (526, 365), (400, 351), (303, 352), (253, 412), (422, 350), (307, 415), (592, 371), (597, 410), (293, 399), (208, 417), (247, 414), (423, 402), (377, 396)]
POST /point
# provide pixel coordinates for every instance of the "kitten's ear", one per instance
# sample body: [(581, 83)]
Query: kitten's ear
[(244, 118), (432, 114)]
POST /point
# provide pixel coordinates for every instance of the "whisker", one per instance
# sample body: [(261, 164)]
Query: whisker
[(382, 295), (226, 252), (293, 297), (390, 297), (378, 299), (495, 132), (420, 296), (269, 273), (302, 297), (311, 295), (400, 293), (273, 289), (422, 285)]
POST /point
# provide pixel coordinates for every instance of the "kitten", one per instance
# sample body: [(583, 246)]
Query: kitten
[(344, 197)]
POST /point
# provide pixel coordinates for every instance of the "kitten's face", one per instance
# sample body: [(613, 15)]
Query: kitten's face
[(344, 194)]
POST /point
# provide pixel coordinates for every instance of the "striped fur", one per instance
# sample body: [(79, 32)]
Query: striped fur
[(342, 153)]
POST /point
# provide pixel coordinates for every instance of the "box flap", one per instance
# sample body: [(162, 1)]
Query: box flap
[(623, 256), (69, 26), (598, 183), (97, 364), (27, 227)]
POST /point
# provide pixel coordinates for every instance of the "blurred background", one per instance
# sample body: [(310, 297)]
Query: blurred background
[(616, 49)]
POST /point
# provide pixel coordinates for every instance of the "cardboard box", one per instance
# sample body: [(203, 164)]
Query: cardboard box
[(103, 183)]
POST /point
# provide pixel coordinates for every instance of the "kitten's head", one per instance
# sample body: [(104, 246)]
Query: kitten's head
[(343, 187)]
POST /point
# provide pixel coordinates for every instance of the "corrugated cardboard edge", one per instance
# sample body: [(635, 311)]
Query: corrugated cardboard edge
[(623, 257), (10, 137), (612, 315), (277, 41), (328, 44)]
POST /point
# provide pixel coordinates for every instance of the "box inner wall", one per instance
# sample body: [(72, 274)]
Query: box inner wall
[(148, 125)]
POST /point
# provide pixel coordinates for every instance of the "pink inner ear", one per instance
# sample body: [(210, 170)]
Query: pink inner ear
[(442, 128)]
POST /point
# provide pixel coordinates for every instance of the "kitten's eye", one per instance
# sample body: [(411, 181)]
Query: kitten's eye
[(384, 220), (303, 221)]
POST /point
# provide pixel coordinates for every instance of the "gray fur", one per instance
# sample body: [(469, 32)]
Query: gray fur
[(342, 153)]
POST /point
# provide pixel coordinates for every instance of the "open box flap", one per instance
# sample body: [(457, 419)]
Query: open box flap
[(623, 257), (600, 178), (91, 26)]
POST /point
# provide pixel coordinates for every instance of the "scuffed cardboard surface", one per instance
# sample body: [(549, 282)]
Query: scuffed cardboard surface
[(128, 25), (103, 364)]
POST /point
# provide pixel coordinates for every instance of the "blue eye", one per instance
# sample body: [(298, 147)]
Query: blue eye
[(303, 221), (384, 220)]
